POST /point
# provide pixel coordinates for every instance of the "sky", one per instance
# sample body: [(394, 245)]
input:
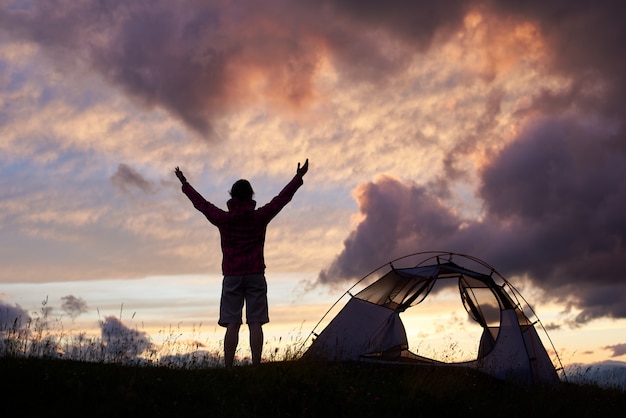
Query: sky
[(484, 127)]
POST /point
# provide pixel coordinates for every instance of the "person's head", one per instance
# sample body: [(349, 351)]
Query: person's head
[(242, 190)]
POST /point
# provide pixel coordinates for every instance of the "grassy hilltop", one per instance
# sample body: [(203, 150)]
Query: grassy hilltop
[(34, 387)]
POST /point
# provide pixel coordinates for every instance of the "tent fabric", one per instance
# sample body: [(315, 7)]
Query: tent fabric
[(362, 327), (369, 327)]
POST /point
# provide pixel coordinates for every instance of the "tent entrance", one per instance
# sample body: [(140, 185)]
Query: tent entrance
[(440, 329)]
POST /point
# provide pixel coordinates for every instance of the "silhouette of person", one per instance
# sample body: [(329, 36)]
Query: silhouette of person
[(242, 235)]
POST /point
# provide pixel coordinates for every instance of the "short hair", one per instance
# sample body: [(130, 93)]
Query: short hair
[(242, 190)]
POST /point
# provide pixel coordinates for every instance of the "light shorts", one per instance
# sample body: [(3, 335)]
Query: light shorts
[(251, 288)]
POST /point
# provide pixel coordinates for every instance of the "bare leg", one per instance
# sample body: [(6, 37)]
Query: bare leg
[(256, 342), (230, 344)]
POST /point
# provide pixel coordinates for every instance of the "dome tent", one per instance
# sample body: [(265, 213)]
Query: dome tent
[(369, 327)]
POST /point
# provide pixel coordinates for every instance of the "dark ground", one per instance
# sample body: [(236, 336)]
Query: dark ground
[(37, 387)]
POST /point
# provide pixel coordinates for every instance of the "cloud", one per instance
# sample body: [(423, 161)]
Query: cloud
[(414, 21), (202, 61), (551, 204), (499, 124), (396, 216), (195, 60), (617, 349), (73, 306), (126, 178), (553, 326), (12, 317), (552, 212), (121, 342)]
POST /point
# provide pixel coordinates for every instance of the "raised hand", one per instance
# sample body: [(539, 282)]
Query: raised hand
[(180, 175), (302, 170)]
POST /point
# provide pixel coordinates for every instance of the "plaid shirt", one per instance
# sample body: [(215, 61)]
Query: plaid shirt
[(242, 228)]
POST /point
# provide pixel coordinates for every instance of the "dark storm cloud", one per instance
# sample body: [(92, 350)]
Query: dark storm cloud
[(417, 21), (73, 306), (396, 216), (555, 204), (556, 188), (152, 50), (353, 39), (195, 59), (127, 178)]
